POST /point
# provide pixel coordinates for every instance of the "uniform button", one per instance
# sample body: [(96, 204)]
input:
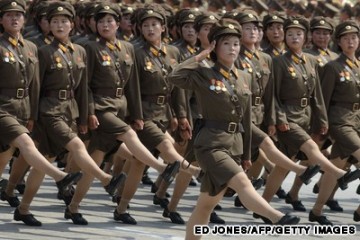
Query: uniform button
[(233, 112), (22, 80), (164, 88), (305, 83), (357, 95), (67, 86)]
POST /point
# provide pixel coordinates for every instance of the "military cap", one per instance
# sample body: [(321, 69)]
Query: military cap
[(12, 5), (61, 8), (274, 17), (321, 23), (247, 16), (126, 10), (187, 16), (109, 8), (296, 22), (230, 14), (148, 13), (89, 10), (224, 27), (41, 9), (276, 5), (299, 8), (349, 26), (205, 18), (329, 8), (259, 4)]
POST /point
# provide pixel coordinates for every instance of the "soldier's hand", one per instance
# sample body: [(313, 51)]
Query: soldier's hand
[(174, 124), (83, 129), (246, 164), (185, 129), (323, 131), (283, 127), (138, 124), (93, 122), (30, 125), (205, 53), (271, 130)]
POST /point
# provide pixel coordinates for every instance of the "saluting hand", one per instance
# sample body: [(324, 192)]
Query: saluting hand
[(93, 122), (205, 53)]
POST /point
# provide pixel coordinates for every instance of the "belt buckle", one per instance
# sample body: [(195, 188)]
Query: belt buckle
[(303, 102), (232, 127), (160, 100), (62, 94), (119, 92), (257, 101), (20, 93), (355, 107)]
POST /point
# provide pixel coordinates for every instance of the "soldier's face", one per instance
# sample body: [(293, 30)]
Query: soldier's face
[(321, 38), (44, 25), (349, 43), (12, 22), (125, 23), (188, 33), (275, 33), (295, 38), (227, 49), (61, 26), (152, 29), (107, 27), (250, 33), (203, 33)]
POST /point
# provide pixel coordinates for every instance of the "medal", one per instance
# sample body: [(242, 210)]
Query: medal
[(293, 74), (6, 59), (59, 65), (250, 70), (212, 86), (321, 64), (12, 59), (223, 88), (342, 79), (218, 88)]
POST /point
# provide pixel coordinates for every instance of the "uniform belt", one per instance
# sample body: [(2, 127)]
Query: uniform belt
[(256, 101), (230, 127), (302, 102), (15, 92), (61, 94), (158, 99), (351, 106), (109, 92)]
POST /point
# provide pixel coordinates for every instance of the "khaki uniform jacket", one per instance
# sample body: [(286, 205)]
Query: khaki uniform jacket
[(40, 40), (14, 77), (273, 52), (322, 57), (55, 76), (103, 74), (216, 104), (290, 87)]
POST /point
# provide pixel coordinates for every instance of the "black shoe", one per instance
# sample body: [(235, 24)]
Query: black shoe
[(13, 201), (288, 220), (358, 190), (257, 183), (146, 179), (296, 204), (67, 195), (316, 189), (214, 218), (77, 218), (174, 216), (117, 199), (67, 181), (20, 188), (334, 205), (238, 203), (124, 217), (192, 183), (309, 173), (229, 192), (348, 177), (265, 220), (163, 202), (218, 207), (3, 184), (168, 175), (154, 189), (281, 193), (28, 219), (320, 219), (115, 183), (356, 217)]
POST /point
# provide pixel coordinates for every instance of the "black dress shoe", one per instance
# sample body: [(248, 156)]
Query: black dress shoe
[(146, 179), (320, 219), (257, 183), (334, 205), (296, 204), (68, 180), (174, 216), (214, 218), (358, 190), (124, 217), (309, 173), (3, 184), (163, 202), (20, 188), (115, 183), (218, 207), (117, 199), (13, 201), (348, 177), (281, 193), (356, 217), (67, 195), (28, 219), (238, 203), (154, 189), (265, 220), (192, 183), (288, 220), (168, 175), (77, 218), (316, 189)]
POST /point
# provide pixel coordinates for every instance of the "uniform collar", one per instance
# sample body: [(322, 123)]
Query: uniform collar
[(13, 41), (276, 51), (156, 52), (297, 59), (64, 46), (226, 72), (352, 64), (112, 45), (248, 53), (191, 49), (323, 52)]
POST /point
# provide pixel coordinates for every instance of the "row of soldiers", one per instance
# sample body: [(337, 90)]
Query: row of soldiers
[(187, 43)]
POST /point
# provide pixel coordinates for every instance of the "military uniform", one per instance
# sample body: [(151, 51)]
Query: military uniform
[(274, 17)]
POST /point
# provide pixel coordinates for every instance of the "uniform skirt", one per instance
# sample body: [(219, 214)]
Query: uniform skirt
[(153, 134), (257, 138), (10, 129)]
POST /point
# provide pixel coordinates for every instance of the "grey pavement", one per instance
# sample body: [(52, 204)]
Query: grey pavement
[(98, 209)]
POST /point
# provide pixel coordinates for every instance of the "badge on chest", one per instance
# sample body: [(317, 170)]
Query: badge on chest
[(9, 57)]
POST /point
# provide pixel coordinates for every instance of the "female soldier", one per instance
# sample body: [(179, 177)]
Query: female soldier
[(259, 65), (154, 61), (340, 85), (42, 24), (64, 100), (224, 97), (274, 33), (19, 101), (112, 74), (298, 97)]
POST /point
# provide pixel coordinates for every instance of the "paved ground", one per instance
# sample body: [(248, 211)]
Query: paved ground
[(98, 209)]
